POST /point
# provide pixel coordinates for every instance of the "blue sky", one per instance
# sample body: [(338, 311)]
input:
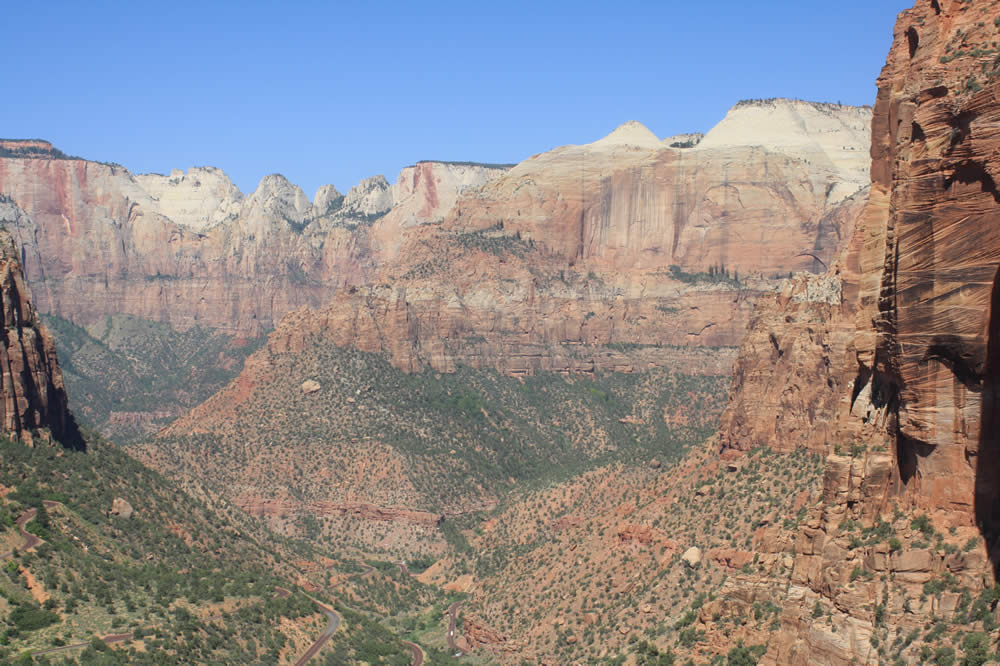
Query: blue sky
[(330, 92)]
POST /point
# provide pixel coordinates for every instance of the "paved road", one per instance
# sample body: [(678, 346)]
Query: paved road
[(331, 628), (30, 540), (109, 639), (418, 653), (452, 611)]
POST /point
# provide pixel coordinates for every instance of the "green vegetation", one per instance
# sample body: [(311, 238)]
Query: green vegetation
[(714, 275), (29, 151), (494, 241), (196, 585), (465, 436), (128, 375), (485, 165)]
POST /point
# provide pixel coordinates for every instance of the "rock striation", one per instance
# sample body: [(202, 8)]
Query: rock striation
[(632, 201), (896, 381), (32, 393)]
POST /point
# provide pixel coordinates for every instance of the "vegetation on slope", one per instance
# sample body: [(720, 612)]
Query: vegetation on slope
[(592, 568), (175, 582), (129, 376), (455, 440)]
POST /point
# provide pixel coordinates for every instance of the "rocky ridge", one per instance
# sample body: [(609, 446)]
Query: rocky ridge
[(630, 201), (32, 393), (189, 249)]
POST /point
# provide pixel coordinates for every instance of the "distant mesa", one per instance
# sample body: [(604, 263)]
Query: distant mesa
[(30, 148)]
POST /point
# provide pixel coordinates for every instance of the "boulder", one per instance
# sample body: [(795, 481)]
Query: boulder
[(121, 508), (692, 556)]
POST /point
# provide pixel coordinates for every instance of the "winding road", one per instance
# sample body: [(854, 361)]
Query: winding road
[(109, 639), (418, 653), (30, 540), (452, 611), (333, 618)]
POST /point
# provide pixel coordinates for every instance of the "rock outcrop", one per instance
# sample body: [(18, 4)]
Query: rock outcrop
[(924, 365), (121, 508), (897, 380), (32, 393), (358, 510), (765, 175)]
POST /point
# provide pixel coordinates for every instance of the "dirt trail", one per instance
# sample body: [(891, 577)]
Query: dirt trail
[(109, 639), (418, 653)]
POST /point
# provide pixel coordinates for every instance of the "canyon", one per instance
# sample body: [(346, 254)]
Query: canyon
[(517, 374)]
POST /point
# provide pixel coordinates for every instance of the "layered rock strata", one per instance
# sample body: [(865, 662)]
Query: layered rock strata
[(189, 249)]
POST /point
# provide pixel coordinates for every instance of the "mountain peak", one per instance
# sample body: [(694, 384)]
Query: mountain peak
[(631, 133)]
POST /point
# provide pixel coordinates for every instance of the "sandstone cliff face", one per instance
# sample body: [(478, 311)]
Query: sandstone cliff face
[(198, 199), (32, 394), (521, 290), (925, 373), (189, 249), (749, 195), (900, 378), (787, 379)]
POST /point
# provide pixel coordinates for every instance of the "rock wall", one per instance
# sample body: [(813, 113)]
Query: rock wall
[(898, 381), (750, 195), (32, 394), (189, 249), (924, 372)]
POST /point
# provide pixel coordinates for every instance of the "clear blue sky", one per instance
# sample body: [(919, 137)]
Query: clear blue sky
[(330, 92)]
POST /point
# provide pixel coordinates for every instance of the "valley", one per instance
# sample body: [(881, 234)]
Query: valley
[(720, 398)]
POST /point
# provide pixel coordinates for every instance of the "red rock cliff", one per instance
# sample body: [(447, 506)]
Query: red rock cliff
[(32, 394), (898, 382)]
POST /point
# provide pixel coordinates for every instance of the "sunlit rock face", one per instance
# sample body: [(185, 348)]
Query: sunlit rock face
[(750, 195)]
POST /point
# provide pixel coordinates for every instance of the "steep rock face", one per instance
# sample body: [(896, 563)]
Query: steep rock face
[(913, 445), (787, 377), (427, 191), (790, 374), (924, 365), (523, 327), (32, 394), (198, 199), (749, 195), (189, 249)]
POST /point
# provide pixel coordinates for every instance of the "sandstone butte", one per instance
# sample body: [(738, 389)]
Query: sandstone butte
[(597, 227), (889, 362)]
